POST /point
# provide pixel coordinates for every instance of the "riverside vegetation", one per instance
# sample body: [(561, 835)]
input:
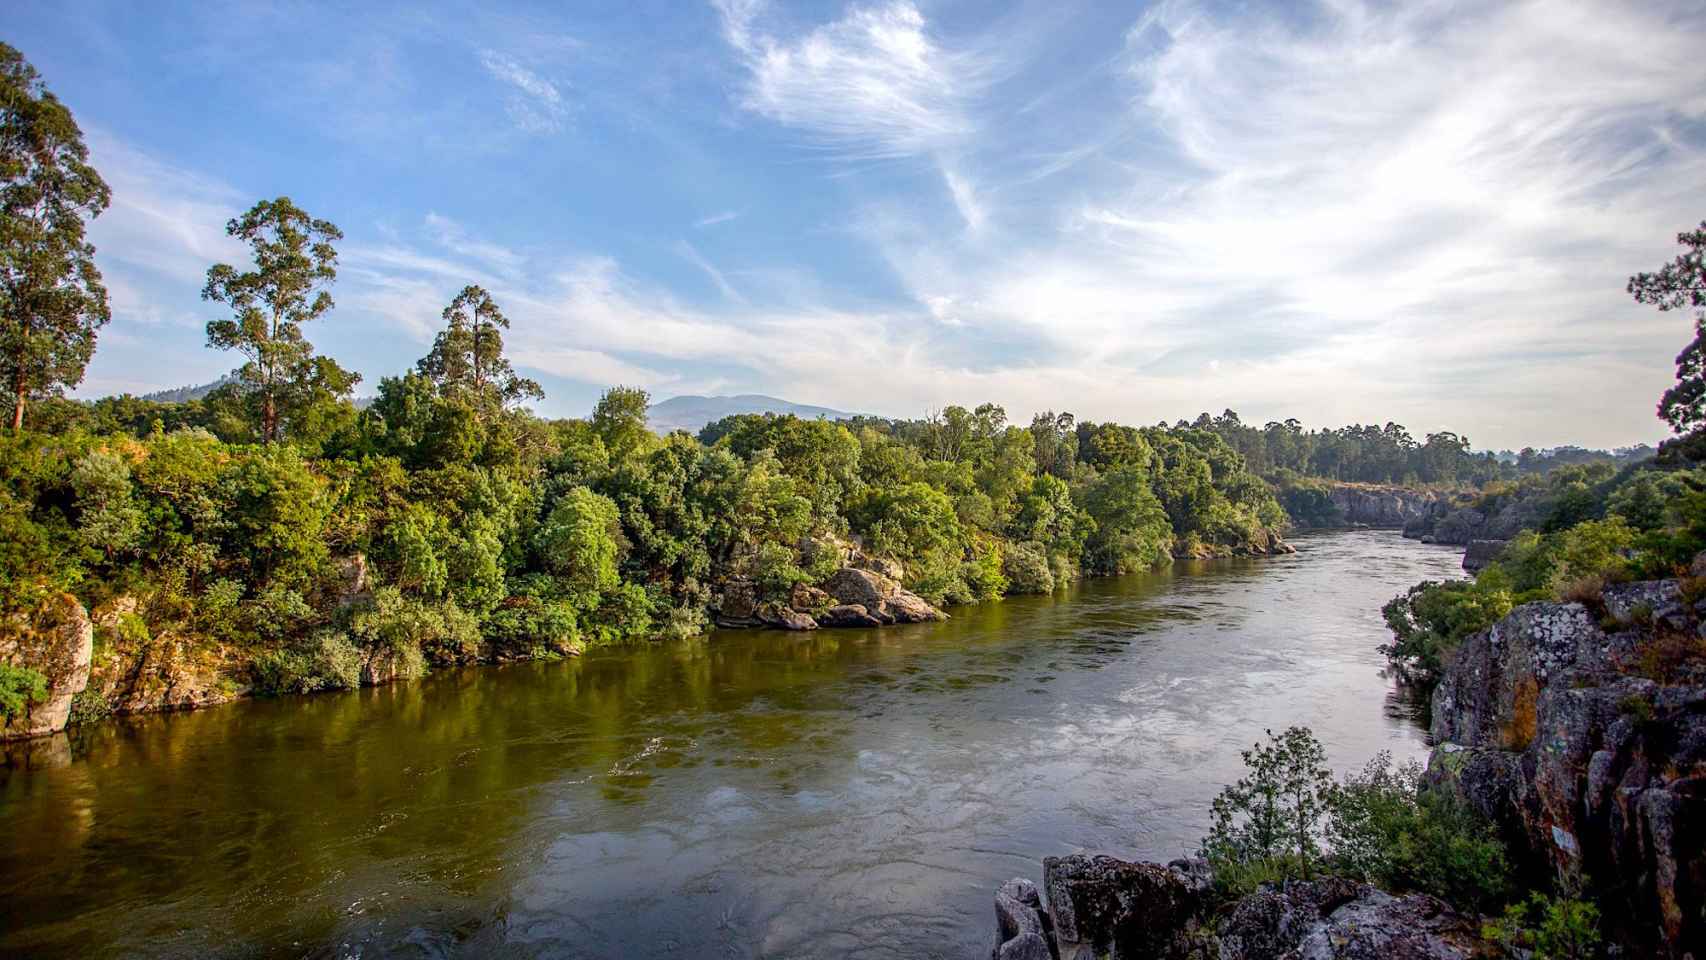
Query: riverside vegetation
[(274, 536), (1562, 802)]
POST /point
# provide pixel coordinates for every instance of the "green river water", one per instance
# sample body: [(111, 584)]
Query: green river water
[(751, 794)]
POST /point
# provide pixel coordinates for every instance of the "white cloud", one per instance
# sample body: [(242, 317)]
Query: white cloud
[(716, 218), (535, 104), (874, 82), (693, 256)]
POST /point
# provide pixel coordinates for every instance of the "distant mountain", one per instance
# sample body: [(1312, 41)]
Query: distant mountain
[(185, 394), (693, 413)]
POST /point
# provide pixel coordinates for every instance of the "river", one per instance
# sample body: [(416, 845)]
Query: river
[(832, 794)]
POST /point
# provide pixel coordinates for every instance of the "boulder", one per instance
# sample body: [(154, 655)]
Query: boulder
[(1019, 917), (1104, 907), (856, 585), (58, 641), (882, 566), (1337, 919), (847, 615), (1479, 553), (784, 618), (809, 598), (739, 604), (881, 597)]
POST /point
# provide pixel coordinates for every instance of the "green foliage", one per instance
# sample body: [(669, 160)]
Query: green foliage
[(52, 301), (19, 687), (1131, 530), (327, 660), (1386, 828), (467, 358), (1548, 928), (1026, 567), (578, 541), (294, 261), (1434, 617), (414, 631), (1271, 820)]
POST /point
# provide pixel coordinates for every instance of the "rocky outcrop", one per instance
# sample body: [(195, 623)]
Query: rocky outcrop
[(882, 597), (1461, 523), (1102, 907), (1480, 553), (853, 596), (1583, 735), (57, 641), (1337, 919), (1381, 505)]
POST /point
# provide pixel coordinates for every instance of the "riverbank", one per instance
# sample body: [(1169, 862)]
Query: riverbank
[(108, 664), (825, 794)]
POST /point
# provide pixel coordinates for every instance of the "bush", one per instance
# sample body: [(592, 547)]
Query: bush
[(1385, 827), (1026, 567), (19, 687), (1546, 928), (1270, 822), (326, 661), (414, 630), (1433, 617)]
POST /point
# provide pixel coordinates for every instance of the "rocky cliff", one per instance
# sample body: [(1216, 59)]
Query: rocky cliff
[(1460, 524), (1582, 732), (1100, 907), (1380, 505), (57, 641)]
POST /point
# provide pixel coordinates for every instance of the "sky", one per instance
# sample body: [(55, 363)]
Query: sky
[(1336, 211)]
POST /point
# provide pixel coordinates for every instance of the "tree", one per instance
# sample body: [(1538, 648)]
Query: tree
[(1678, 285), (620, 420), (294, 260), (1272, 818), (52, 301), (467, 356)]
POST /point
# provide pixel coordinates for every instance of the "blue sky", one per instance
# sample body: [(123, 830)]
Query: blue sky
[(1338, 211)]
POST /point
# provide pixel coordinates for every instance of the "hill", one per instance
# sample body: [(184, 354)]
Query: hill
[(693, 413)]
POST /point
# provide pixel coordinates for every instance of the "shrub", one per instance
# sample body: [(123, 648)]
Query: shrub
[(1433, 617), (1026, 567), (1387, 828), (413, 630), (1547, 928), (326, 661), (19, 687), (1270, 822)]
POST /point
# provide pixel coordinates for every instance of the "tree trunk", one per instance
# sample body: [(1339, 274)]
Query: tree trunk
[(18, 403), (269, 420)]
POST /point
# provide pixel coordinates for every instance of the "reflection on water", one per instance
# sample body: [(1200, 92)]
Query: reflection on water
[(753, 794)]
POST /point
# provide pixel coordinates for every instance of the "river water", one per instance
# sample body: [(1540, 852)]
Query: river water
[(753, 794)]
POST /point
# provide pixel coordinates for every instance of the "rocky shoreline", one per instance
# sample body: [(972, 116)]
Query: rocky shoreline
[(1579, 729), (89, 681)]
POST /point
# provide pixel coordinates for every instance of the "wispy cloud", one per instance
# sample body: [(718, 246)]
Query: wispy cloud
[(716, 218), (693, 256), (535, 104)]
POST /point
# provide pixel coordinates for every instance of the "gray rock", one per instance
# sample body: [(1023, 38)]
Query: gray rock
[(1589, 764), (58, 641), (1028, 946), (1649, 601), (1480, 553), (848, 615), (1105, 907), (784, 618), (739, 603), (881, 597)]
